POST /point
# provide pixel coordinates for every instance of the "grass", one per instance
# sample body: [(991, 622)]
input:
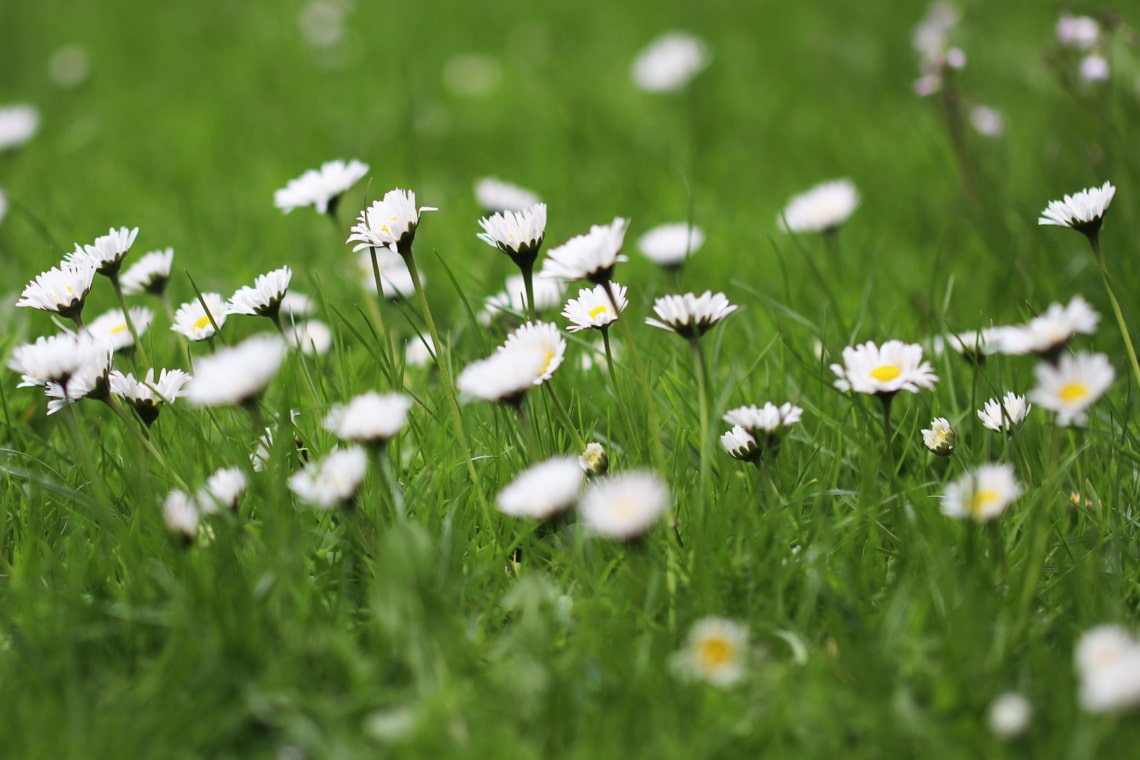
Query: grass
[(878, 626)]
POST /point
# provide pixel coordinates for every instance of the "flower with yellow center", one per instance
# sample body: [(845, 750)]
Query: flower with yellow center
[(112, 327), (540, 339), (594, 309), (716, 651), (982, 494), (1071, 386), (895, 367), (61, 289), (195, 322), (389, 223), (941, 437)]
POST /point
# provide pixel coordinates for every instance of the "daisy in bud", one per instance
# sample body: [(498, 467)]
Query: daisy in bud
[(592, 256), (594, 309), (716, 651), (149, 274), (1009, 715), (236, 375), (593, 460), (496, 195), (112, 327), (90, 380), (61, 290), (740, 444), (542, 491), (1005, 415), (333, 481), (223, 490), (371, 418), (669, 62), (108, 251), (145, 395), (180, 514), (18, 124), (320, 188), (624, 507), (821, 209), (1071, 386), (264, 298), (389, 223), (940, 438), (56, 358), (669, 245), (895, 367), (395, 279), (767, 424), (1107, 659), (195, 322), (688, 315), (982, 494), (312, 337), (512, 300)]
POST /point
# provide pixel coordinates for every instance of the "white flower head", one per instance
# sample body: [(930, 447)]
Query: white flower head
[(417, 353), (297, 305), (543, 490), (821, 209), (181, 515), (61, 289), (1009, 715), (111, 327), (56, 358), (108, 251), (311, 337), (716, 651), (90, 380), (742, 445), (512, 300), (981, 494), (18, 124), (371, 418), (975, 345), (1006, 414), (941, 437), (592, 256), (389, 223), (594, 461), (768, 419), (1080, 32), (504, 376), (395, 277), (145, 395), (496, 195), (149, 274), (1094, 68), (669, 62), (320, 188), (195, 322), (987, 122), (1083, 211), (669, 245), (624, 507), (1107, 659), (518, 234), (688, 315), (264, 298), (894, 367), (333, 481), (236, 375), (1071, 386), (593, 307), (223, 489), (541, 340)]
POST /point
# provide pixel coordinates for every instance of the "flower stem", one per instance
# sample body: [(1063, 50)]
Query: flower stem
[(1094, 240), (563, 415), (700, 368), (528, 286)]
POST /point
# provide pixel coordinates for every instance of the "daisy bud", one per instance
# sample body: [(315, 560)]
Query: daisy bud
[(941, 437), (594, 461)]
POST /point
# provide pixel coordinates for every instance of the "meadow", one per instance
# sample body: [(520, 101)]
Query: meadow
[(816, 597)]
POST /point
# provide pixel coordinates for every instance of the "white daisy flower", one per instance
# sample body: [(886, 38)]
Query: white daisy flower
[(371, 418), (624, 506), (512, 300), (941, 437), (594, 309), (320, 188), (311, 337), (297, 305), (1006, 414), (543, 490), (669, 245), (332, 481), (518, 234), (716, 651), (55, 358), (768, 419), (504, 376), (1079, 32), (149, 274), (1071, 386), (1094, 68), (592, 256), (496, 195), (18, 124), (417, 353), (90, 380), (1107, 659), (987, 122), (740, 444), (195, 323), (594, 461), (112, 327), (262, 451), (981, 494), (975, 345), (539, 339), (223, 490), (895, 367), (145, 395), (108, 251), (820, 209), (688, 315), (395, 278), (61, 289), (669, 62), (264, 298), (1083, 211), (389, 223), (180, 514), (236, 375), (1009, 715)]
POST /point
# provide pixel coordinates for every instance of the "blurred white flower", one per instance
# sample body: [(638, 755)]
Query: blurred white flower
[(1094, 68), (223, 489), (370, 418), (320, 188), (669, 62), (594, 461), (495, 195), (821, 209), (149, 274), (472, 75), (1071, 386), (145, 395), (111, 327), (18, 124), (236, 375), (332, 481), (592, 256), (987, 121), (512, 299), (180, 514), (312, 337), (69, 66), (1009, 715), (716, 651), (395, 278), (623, 507), (543, 490), (981, 494), (1107, 659), (1079, 32), (941, 437), (669, 245)]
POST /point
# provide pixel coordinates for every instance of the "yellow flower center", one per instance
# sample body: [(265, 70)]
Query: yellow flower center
[(715, 652), (546, 364), (119, 329), (981, 499), (600, 309), (886, 373), (1074, 391), (201, 322)]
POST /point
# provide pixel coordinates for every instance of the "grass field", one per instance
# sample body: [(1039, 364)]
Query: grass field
[(424, 623)]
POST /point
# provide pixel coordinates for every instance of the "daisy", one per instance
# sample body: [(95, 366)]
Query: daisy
[(417, 353), (982, 494), (112, 327), (512, 300), (740, 444), (669, 245), (198, 323), (987, 122), (624, 507), (504, 376), (821, 209), (1006, 414), (312, 337), (594, 461), (518, 234), (1094, 68), (61, 290), (941, 437), (688, 315), (716, 651), (395, 279), (180, 514), (895, 367), (592, 256), (223, 489), (538, 339), (236, 375), (975, 345), (333, 481), (371, 418), (1083, 211), (768, 419), (593, 307), (496, 195), (669, 62), (108, 251), (90, 380), (264, 298), (320, 188), (1071, 386), (1107, 659), (18, 124), (54, 359), (149, 274), (145, 395), (297, 305), (543, 490), (1047, 333), (389, 223), (1009, 715), (1079, 32)]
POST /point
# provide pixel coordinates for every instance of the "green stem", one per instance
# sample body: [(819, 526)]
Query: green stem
[(528, 286), (563, 415), (377, 311), (390, 481), (700, 368), (127, 317), (1094, 240), (643, 377)]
